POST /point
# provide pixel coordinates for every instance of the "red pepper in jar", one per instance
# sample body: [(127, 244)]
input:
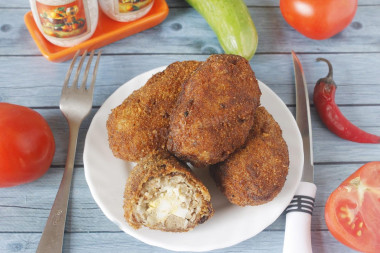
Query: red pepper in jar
[(332, 117)]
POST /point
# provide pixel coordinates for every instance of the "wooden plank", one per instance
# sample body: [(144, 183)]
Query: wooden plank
[(186, 31), (25, 208), (277, 3), (182, 3), (272, 241), (366, 117), (40, 81)]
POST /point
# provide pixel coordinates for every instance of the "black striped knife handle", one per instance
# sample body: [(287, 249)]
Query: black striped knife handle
[(298, 220)]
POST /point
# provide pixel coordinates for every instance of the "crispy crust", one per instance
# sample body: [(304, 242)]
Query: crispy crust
[(214, 112), (158, 165), (256, 173), (140, 124)]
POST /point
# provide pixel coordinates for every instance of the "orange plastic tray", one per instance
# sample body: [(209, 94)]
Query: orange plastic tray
[(107, 31)]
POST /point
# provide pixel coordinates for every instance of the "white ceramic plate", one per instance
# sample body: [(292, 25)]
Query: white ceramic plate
[(107, 175)]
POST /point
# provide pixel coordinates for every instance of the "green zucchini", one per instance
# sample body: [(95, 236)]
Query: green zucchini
[(232, 24)]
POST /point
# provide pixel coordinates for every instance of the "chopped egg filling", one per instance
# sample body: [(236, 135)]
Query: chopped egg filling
[(171, 201), (168, 201)]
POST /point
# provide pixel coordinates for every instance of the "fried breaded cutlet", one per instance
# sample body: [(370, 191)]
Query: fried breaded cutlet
[(164, 194), (255, 173), (214, 112), (140, 124)]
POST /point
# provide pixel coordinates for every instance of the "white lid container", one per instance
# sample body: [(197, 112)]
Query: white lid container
[(125, 10), (65, 23)]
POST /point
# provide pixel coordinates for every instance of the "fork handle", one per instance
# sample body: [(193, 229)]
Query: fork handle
[(52, 236)]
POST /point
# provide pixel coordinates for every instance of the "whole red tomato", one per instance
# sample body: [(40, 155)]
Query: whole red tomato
[(318, 19), (352, 211), (26, 145)]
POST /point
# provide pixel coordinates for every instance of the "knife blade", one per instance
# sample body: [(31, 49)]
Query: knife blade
[(298, 214), (303, 119)]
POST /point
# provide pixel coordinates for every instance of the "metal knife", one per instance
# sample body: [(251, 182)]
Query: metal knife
[(298, 213)]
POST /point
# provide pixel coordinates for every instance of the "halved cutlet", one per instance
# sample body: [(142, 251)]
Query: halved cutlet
[(164, 194)]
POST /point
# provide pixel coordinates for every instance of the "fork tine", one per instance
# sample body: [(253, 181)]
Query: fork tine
[(68, 74), (75, 82), (91, 88), (83, 85)]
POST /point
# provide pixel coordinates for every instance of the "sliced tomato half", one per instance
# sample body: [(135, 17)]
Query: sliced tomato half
[(352, 211)]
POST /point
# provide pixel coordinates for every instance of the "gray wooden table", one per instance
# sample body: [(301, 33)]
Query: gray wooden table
[(28, 79)]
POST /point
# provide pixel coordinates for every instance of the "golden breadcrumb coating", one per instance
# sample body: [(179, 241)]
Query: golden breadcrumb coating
[(140, 124), (255, 173), (215, 111)]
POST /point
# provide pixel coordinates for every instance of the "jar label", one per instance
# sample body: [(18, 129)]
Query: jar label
[(65, 20), (127, 6)]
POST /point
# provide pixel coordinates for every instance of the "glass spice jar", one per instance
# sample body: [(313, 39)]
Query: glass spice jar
[(65, 23), (125, 10)]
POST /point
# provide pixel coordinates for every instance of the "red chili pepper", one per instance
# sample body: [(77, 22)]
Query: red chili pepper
[(332, 117)]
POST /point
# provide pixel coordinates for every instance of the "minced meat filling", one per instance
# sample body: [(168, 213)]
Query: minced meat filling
[(168, 202)]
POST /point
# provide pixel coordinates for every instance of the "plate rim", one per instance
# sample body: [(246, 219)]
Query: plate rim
[(156, 243)]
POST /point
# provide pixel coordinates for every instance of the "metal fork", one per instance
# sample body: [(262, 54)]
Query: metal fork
[(75, 104)]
